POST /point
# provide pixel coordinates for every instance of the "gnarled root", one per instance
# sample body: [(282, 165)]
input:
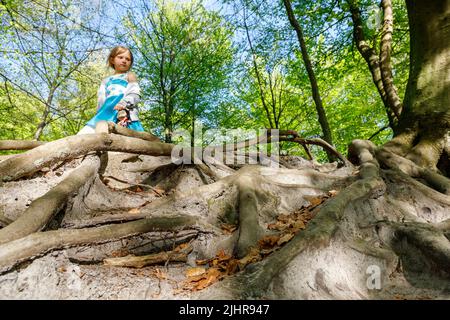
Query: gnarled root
[(20, 144), (41, 210), (177, 255), (254, 281), (67, 148), (39, 243), (434, 179)]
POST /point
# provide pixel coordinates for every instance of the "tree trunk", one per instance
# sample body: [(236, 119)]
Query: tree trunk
[(372, 59), (385, 59), (312, 78), (425, 120), (42, 124), (429, 82)]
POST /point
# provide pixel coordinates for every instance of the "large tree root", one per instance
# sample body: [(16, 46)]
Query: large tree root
[(39, 213), (110, 127), (248, 199), (277, 136), (249, 229), (254, 281), (4, 221), (430, 193), (51, 153), (429, 240), (39, 243), (177, 255), (435, 180), (19, 144)]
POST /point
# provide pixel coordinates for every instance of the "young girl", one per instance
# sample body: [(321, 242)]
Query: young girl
[(118, 94)]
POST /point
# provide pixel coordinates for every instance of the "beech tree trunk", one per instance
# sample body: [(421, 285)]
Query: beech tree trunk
[(425, 121), (322, 117), (427, 94)]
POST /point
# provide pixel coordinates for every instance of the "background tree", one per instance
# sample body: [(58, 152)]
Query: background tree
[(46, 45), (323, 120), (185, 51)]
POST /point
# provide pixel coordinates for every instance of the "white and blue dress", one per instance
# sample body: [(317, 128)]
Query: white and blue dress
[(115, 89)]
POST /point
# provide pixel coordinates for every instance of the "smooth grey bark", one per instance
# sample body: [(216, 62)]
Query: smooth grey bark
[(323, 120)]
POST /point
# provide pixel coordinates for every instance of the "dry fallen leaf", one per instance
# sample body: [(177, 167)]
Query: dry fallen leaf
[(220, 259), (202, 262), (283, 217), (120, 253), (159, 191), (332, 193), (273, 226), (252, 256), (280, 226), (228, 228), (314, 201), (285, 238), (134, 211), (222, 256), (159, 274), (232, 266), (298, 225), (265, 252), (194, 272), (210, 277), (268, 241), (183, 247)]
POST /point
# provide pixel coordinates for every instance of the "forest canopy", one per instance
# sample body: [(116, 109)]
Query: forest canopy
[(234, 64)]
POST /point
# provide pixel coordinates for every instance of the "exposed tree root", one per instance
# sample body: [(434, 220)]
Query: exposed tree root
[(6, 156), (216, 197), (435, 180), (319, 142), (134, 184), (177, 255), (424, 189), (4, 221), (39, 243), (249, 230), (430, 241), (279, 135), (31, 161), (19, 144), (110, 127), (443, 225), (39, 213), (255, 280)]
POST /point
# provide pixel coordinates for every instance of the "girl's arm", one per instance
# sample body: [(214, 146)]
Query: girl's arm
[(132, 93)]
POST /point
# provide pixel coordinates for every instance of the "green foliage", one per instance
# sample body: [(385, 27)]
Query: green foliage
[(350, 98), (196, 64), (185, 53), (18, 112), (77, 102), (45, 48)]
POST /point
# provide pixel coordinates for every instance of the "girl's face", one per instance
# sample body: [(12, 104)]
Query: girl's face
[(122, 62)]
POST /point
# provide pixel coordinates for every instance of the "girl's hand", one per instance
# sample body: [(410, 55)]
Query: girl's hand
[(119, 107)]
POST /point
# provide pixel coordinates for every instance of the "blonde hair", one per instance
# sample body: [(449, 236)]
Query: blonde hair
[(115, 52)]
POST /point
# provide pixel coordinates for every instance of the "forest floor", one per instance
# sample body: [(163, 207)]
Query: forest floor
[(333, 272)]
